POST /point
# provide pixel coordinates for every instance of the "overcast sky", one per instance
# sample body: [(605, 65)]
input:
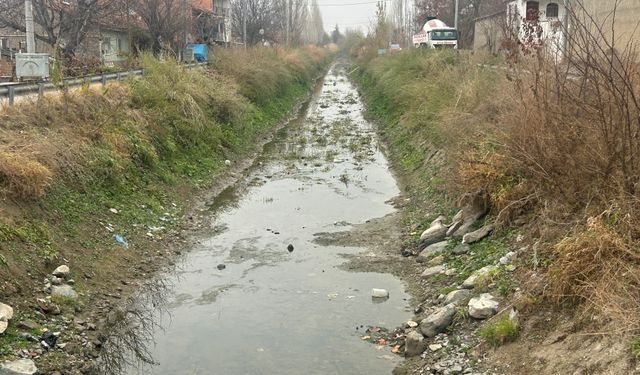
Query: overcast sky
[(348, 14)]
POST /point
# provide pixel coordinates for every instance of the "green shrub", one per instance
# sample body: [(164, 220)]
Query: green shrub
[(500, 332)]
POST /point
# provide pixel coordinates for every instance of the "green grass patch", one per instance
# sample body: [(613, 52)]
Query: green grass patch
[(498, 333)]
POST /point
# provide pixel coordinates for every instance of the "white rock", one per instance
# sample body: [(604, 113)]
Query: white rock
[(435, 347), (6, 311), (227, 162), (61, 271), (436, 233), (438, 321), (483, 307), (412, 324), (457, 296), (414, 344), (478, 235), (435, 248), (431, 271), (472, 280), (379, 293), (19, 367), (63, 291)]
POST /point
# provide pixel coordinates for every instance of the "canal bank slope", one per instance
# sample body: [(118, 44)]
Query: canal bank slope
[(102, 181), (522, 292)]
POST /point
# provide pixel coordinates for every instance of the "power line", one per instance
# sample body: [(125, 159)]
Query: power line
[(350, 4)]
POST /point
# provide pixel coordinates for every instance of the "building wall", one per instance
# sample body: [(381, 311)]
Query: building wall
[(626, 19), (114, 46), (17, 41), (488, 34)]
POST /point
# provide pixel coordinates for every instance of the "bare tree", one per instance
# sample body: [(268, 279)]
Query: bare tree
[(259, 15), (314, 29), (298, 13), (166, 21), (61, 23)]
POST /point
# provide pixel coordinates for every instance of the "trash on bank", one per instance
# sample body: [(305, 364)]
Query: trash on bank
[(119, 239)]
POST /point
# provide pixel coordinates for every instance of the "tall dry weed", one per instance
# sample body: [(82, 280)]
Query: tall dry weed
[(22, 175), (569, 150)]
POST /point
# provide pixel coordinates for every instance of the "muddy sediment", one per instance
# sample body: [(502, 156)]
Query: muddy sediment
[(324, 187)]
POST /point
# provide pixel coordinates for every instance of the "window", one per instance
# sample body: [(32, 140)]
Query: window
[(106, 46), (533, 11), (552, 10)]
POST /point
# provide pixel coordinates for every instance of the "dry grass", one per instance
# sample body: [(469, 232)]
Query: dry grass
[(566, 155), (599, 264), (22, 175)]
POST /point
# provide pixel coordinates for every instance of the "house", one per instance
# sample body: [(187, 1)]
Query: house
[(109, 40), (535, 22), (211, 21)]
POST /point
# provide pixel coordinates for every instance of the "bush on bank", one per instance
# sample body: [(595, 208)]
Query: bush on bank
[(553, 145), (142, 148)]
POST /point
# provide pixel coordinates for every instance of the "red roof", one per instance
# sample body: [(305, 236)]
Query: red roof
[(206, 5)]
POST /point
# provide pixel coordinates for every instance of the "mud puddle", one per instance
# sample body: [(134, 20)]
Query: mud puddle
[(241, 302)]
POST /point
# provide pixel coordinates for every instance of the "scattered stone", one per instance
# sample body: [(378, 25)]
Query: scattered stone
[(456, 297), (414, 344), (220, 267), (436, 261), (508, 258), (435, 248), (435, 347), (477, 235), (434, 234), (472, 212), (412, 324), (28, 325), (438, 321), (57, 280), (431, 271), (483, 307), (450, 272), (461, 249), (19, 367), (6, 313), (65, 291), (454, 228), (71, 282), (471, 281), (48, 340), (227, 162), (290, 248), (61, 271), (379, 293), (455, 369)]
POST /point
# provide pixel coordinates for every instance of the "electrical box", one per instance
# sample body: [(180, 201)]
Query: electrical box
[(32, 65)]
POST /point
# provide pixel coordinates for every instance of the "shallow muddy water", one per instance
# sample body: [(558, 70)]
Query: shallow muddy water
[(275, 311)]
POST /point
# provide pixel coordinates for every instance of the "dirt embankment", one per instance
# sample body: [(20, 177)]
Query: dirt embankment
[(104, 182), (439, 122)]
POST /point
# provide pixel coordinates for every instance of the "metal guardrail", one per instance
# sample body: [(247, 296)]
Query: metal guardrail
[(11, 92)]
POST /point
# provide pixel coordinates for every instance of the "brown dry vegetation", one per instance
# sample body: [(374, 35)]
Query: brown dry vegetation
[(556, 145), (145, 147)]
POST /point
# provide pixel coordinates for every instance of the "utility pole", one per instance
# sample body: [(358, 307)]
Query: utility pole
[(457, 11), (244, 22), (287, 23), (28, 15), (129, 36)]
